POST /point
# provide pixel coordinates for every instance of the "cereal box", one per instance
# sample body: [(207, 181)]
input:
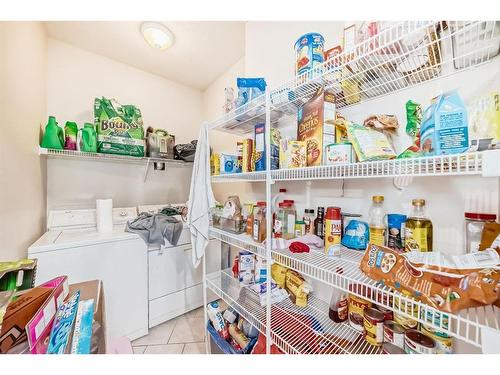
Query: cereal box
[(260, 148), (292, 154), (316, 125)]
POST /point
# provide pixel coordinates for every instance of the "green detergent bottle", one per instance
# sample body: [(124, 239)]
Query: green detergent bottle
[(70, 135), (53, 136), (89, 138)]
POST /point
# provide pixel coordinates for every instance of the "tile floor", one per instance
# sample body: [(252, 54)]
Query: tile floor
[(181, 335)]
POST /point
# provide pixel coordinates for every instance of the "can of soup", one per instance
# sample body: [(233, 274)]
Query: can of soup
[(373, 323), (394, 333), (418, 343), (388, 314), (389, 348)]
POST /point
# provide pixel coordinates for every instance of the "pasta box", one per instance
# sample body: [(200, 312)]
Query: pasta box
[(316, 125)]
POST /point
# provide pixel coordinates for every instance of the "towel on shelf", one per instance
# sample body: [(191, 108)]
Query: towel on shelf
[(201, 197), (157, 229)]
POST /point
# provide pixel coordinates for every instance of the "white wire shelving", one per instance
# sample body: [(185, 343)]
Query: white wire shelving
[(400, 56), (344, 273), (294, 330), (95, 156)]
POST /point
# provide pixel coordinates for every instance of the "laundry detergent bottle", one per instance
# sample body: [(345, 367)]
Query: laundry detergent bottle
[(54, 136), (89, 138), (70, 135)]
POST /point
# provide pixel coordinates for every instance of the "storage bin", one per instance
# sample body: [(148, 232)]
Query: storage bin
[(220, 346)]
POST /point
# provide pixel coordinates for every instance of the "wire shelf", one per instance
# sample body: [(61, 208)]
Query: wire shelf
[(240, 177), (294, 330), (344, 273), (70, 154), (401, 55), (445, 165), (241, 241)]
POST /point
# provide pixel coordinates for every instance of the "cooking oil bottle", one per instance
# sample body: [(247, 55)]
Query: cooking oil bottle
[(418, 228), (376, 221)]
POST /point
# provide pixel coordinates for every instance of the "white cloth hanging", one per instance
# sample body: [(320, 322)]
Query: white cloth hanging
[(201, 197)]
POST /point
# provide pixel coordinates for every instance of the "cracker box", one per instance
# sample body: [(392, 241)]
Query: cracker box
[(316, 125), (445, 127)]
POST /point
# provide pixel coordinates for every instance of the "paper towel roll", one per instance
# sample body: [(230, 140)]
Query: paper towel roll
[(104, 213)]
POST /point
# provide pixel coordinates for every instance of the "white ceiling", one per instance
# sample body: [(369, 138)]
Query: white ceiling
[(202, 50)]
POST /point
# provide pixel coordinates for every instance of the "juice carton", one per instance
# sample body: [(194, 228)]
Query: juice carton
[(445, 128)]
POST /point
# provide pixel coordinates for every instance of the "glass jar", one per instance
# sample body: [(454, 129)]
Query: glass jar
[(259, 222), (308, 219), (474, 224)]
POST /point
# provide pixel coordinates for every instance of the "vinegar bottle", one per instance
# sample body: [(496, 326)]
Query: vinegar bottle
[(376, 221)]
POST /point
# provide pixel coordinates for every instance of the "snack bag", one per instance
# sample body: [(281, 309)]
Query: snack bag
[(119, 128), (447, 283), (298, 288), (369, 144), (278, 274)]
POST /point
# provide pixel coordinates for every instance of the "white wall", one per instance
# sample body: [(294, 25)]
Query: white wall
[(23, 62), (75, 78)]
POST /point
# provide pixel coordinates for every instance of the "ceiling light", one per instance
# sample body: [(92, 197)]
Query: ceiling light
[(157, 35)]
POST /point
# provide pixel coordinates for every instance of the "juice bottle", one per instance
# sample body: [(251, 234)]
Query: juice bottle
[(376, 221), (333, 231), (418, 228)]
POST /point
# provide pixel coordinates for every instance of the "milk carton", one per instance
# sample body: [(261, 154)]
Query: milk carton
[(444, 128)]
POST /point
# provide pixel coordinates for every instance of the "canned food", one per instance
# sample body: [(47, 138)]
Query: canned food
[(309, 52), (444, 345), (356, 307), (394, 333), (373, 323), (405, 322), (418, 343), (388, 315), (389, 348)]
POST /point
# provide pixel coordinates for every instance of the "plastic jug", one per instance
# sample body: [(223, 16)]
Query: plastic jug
[(54, 136), (89, 138), (70, 135)]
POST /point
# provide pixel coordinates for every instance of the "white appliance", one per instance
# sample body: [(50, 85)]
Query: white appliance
[(73, 247), (175, 286)]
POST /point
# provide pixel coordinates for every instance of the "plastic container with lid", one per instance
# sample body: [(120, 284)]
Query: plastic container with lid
[(474, 224), (259, 222)]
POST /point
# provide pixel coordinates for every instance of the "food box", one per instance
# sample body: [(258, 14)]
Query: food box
[(82, 334), (119, 128), (228, 163), (292, 154), (18, 275), (246, 268), (247, 162), (239, 157), (316, 125), (342, 153), (18, 315), (484, 118), (444, 126), (260, 147), (39, 327), (62, 329)]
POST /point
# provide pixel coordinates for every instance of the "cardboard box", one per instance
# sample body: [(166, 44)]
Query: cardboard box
[(18, 315), (292, 154), (316, 125), (260, 147), (247, 162), (40, 324)]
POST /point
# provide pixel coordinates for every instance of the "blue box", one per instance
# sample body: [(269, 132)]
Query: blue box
[(260, 147)]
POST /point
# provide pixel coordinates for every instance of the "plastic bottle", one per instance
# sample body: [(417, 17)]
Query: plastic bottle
[(338, 306), (333, 231), (376, 221), (418, 228), (276, 200), (279, 221), (291, 217), (319, 229)]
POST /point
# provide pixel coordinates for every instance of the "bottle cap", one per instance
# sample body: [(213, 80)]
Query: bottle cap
[(309, 210), (482, 217), (418, 202), (261, 203), (282, 190), (378, 198)]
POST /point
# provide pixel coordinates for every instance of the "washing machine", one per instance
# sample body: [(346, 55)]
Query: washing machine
[(175, 286), (73, 247)]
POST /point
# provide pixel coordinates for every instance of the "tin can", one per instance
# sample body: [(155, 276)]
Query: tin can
[(309, 52), (333, 231), (356, 308), (388, 315), (418, 343), (444, 343), (405, 322), (373, 323), (394, 333), (388, 348)]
